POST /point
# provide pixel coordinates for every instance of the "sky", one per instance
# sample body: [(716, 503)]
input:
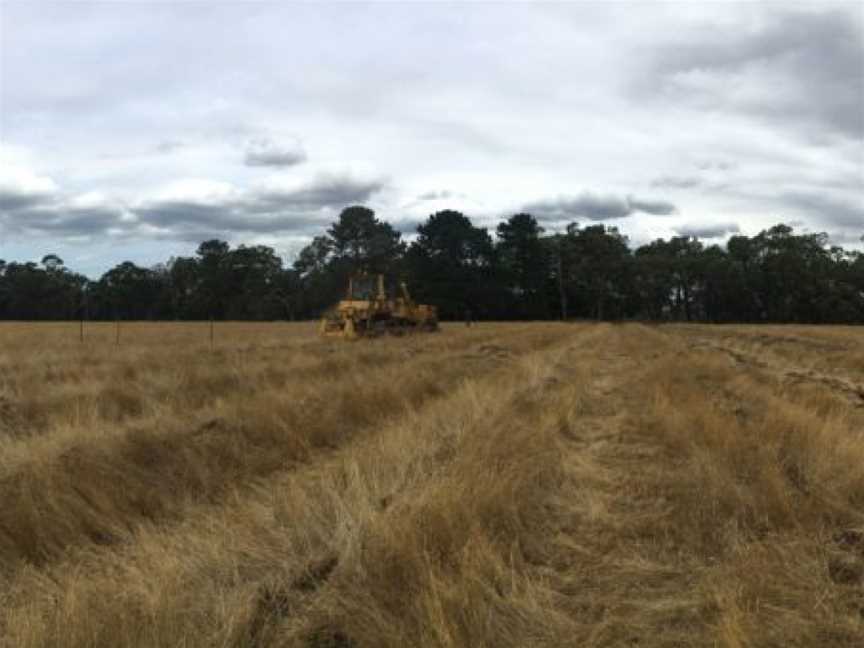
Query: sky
[(135, 130)]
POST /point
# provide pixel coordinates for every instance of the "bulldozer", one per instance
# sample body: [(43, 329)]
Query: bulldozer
[(367, 311)]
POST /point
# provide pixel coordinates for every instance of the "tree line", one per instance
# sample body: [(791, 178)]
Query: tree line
[(521, 272)]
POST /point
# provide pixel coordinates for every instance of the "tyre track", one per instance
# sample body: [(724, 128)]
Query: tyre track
[(853, 391)]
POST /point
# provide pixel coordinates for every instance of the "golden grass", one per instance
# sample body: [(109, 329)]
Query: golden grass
[(503, 485), (767, 493)]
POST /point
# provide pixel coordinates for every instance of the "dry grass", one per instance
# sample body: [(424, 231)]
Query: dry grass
[(504, 485)]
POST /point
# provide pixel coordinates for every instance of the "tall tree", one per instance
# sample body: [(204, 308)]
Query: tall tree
[(600, 272), (670, 276), (356, 243), (362, 243), (778, 275), (28, 291), (524, 265), (128, 292), (452, 264), (253, 274), (213, 282)]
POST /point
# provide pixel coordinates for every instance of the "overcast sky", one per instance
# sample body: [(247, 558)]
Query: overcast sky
[(136, 130)]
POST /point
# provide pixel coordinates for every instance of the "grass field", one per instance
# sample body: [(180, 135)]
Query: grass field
[(504, 485)]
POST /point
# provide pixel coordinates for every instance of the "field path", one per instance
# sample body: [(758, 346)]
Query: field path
[(618, 585), (710, 501)]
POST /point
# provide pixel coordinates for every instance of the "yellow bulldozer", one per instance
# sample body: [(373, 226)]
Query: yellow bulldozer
[(367, 311)]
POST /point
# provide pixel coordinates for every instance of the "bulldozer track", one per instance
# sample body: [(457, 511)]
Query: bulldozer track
[(853, 391)]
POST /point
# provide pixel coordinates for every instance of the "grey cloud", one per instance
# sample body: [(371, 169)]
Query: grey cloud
[(406, 225), (430, 196), (804, 67), (15, 194), (596, 207), (707, 231), (191, 221), (266, 153), (828, 209), (167, 146), (655, 207), (325, 191), (718, 165), (436, 195), (586, 205), (13, 200), (34, 205), (48, 212), (187, 221), (73, 221), (845, 238), (174, 213), (676, 182), (61, 218), (301, 210)]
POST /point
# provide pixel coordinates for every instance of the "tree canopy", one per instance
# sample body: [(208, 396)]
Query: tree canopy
[(522, 272)]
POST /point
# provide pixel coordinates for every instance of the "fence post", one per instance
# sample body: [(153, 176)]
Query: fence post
[(84, 313), (117, 332), (211, 332)]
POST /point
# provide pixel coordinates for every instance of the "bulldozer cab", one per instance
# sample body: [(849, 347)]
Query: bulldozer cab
[(366, 288)]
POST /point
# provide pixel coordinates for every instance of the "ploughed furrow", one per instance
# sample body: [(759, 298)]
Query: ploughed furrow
[(803, 372), (616, 575), (97, 492), (833, 356), (421, 534), (764, 497), (705, 504)]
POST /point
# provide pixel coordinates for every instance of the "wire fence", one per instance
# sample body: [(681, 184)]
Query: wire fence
[(207, 334)]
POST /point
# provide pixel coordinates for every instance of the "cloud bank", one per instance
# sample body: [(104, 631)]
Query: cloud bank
[(596, 207), (666, 116), (185, 209)]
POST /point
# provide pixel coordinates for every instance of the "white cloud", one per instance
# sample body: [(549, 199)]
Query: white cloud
[(21, 187), (198, 191)]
